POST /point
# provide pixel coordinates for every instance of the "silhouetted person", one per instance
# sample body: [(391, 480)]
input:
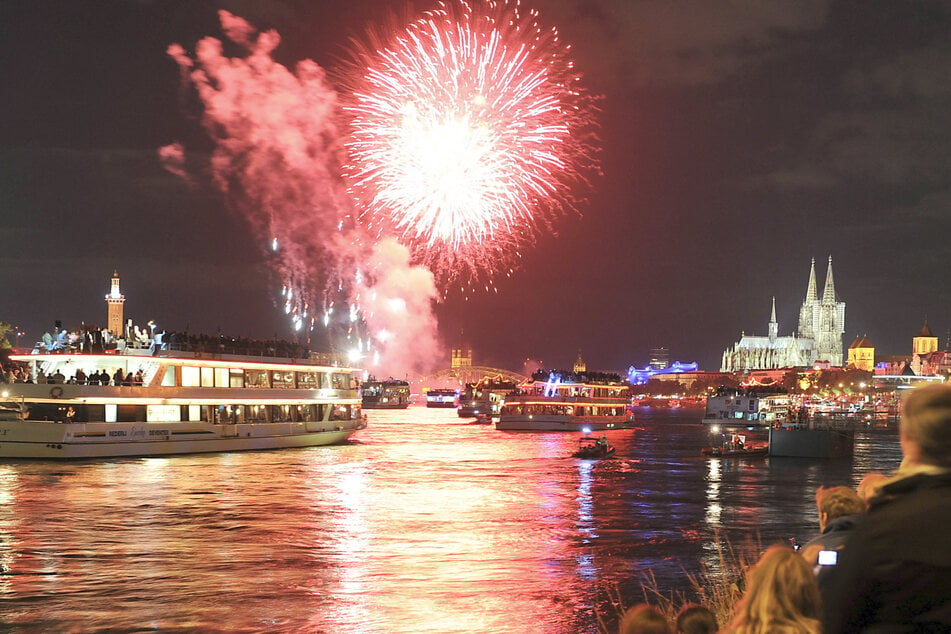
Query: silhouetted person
[(894, 574), (840, 509), (781, 596), (696, 619), (643, 619)]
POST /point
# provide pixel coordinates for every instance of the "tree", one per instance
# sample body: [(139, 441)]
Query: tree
[(4, 340)]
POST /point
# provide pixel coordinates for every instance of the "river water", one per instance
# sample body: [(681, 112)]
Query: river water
[(423, 523)]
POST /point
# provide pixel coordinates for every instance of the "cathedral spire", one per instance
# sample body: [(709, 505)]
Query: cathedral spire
[(828, 293), (811, 296), (773, 324)]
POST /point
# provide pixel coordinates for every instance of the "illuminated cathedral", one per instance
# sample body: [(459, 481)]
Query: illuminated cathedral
[(821, 325)]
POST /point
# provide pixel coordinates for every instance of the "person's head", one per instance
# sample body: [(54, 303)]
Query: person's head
[(781, 589), (696, 619), (870, 484), (926, 425), (644, 619), (836, 502)]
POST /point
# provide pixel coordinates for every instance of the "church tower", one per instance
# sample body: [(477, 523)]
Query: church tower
[(823, 320), (773, 324), (580, 366), (924, 342), (922, 345), (862, 354), (115, 300), (461, 357)]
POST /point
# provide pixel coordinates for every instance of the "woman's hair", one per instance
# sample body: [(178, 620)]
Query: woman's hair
[(782, 596), (696, 619), (926, 420)]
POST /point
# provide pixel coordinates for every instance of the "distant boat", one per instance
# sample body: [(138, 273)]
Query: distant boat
[(568, 401), (743, 408), (758, 450), (484, 397), (388, 394), (594, 448), (441, 397)]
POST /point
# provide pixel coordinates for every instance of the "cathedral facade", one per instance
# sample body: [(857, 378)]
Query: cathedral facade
[(819, 338)]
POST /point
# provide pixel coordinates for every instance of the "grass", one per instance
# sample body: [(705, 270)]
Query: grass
[(716, 587)]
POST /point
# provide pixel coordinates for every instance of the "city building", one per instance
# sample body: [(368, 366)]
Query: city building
[(819, 338), (862, 354)]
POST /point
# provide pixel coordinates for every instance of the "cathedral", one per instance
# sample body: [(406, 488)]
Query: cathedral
[(821, 325)]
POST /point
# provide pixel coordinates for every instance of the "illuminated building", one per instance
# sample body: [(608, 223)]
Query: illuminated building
[(640, 376), (821, 325), (461, 357), (862, 354), (115, 300), (580, 366)]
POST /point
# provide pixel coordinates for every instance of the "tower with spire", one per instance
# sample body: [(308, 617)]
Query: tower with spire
[(823, 319), (115, 300), (821, 326)]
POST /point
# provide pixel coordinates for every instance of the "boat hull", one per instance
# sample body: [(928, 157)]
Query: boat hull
[(562, 423), (52, 440), (386, 405)]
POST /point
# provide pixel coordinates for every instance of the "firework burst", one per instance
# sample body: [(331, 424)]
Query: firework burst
[(470, 132)]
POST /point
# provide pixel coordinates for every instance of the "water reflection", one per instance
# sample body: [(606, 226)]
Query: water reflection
[(424, 523)]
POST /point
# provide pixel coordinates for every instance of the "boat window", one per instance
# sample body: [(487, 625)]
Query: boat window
[(190, 376), (86, 413), (279, 413), (194, 412), (307, 380), (208, 377), (130, 413), (256, 378), (163, 413), (306, 413), (339, 381), (222, 377), (355, 412), (340, 412), (282, 379), (169, 378), (236, 378), (256, 413)]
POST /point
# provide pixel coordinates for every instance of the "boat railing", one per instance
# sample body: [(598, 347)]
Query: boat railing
[(573, 398)]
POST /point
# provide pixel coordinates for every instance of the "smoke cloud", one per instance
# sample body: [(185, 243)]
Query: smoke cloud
[(277, 159)]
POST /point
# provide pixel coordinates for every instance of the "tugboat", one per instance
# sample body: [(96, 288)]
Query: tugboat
[(736, 446)]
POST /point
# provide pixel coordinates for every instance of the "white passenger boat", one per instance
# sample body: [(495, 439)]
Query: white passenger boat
[(747, 408), (567, 401), (441, 397), (84, 397), (186, 403)]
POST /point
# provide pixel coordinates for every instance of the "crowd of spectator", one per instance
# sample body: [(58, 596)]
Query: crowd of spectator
[(881, 561)]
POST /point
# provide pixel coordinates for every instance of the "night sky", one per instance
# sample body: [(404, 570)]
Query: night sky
[(739, 140)]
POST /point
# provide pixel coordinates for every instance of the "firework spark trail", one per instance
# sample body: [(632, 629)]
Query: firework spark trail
[(469, 134), (277, 159)]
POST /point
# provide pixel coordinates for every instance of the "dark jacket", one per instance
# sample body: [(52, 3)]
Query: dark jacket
[(894, 574), (836, 532), (834, 536)]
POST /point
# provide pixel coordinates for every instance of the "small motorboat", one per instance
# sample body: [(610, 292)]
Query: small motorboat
[(594, 448), (758, 450), (483, 419)]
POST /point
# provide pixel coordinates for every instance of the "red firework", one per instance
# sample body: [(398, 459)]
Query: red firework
[(470, 132)]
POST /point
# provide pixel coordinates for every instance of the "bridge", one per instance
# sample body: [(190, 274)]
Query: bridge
[(468, 374)]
